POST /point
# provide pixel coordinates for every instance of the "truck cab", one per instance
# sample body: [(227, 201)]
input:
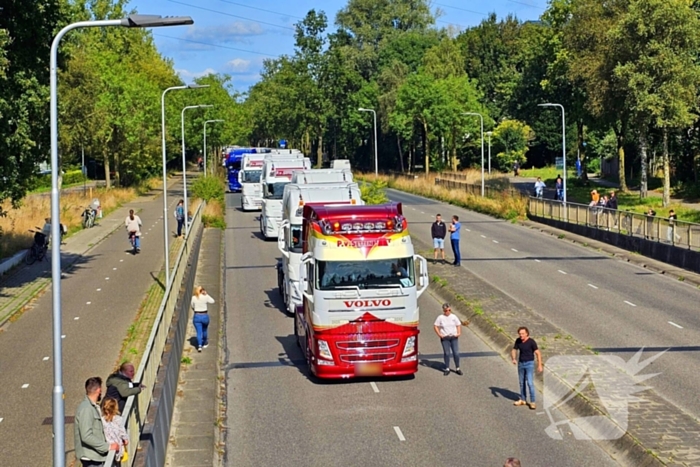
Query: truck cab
[(360, 281), (289, 239), (276, 173), (249, 179), (321, 176)]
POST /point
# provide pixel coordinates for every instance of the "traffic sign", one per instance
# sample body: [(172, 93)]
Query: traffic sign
[(283, 143), (559, 162)]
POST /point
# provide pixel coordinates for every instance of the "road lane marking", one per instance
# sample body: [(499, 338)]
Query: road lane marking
[(483, 236), (374, 386), (592, 286), (76, 318), (106, 278), (676, 325), (45, 359), (399, 434), (494, 241), (467, 230), (538, 261), (114, 269), (63, 336), (121, 260), (561, 271), (1, 419), (99, 290), (514, 250), (630, 303), (422, 212), (88, 303), (25, 386)]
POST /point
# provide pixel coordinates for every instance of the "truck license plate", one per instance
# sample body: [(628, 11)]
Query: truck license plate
[(368, 369)]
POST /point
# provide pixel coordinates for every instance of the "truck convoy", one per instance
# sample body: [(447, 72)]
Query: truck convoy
[(296, 196), (234, 159), (360, 281), (276, 173)]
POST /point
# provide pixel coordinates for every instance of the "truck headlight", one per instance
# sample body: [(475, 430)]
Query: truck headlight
[(410, 346), (324, 350)]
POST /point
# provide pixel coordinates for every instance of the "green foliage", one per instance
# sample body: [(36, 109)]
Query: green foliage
[(208, 188), (69, 178), (374, 192), (511, 139), (214, 221)]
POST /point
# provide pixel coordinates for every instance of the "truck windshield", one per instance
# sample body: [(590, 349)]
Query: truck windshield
[(295, 240), (251, 176), (275, 190), (365, 274)]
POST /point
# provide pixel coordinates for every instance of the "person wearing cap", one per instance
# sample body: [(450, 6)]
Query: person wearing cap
[(448, 328)]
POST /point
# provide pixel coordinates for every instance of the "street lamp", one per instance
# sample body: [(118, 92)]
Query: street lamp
[(133, 21), (205, 143), (481, 117), (376, 163), (489, 133), (165, 177), (184, 163), (563, 143)]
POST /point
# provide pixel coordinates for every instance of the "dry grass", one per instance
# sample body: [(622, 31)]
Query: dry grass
[(214, 209), (14, 228), (503, 206)]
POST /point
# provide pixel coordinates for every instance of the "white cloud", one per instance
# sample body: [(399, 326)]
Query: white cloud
[(188, 75), (238, 65), (224, 33)]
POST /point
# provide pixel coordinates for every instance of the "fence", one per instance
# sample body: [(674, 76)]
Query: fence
[(137, 407), (489, 191), (657, 229)]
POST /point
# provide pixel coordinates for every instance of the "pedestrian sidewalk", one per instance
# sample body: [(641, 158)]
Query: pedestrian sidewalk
[(195, 431)]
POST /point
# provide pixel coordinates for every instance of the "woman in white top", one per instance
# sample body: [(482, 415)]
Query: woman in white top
[(200, 299), (133, 227), (448, 328)]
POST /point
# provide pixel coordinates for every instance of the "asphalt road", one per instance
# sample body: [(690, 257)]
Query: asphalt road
[(100, 299), (277, 416), (611, 305)]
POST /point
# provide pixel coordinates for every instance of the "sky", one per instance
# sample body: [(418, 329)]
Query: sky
[(235, 36)]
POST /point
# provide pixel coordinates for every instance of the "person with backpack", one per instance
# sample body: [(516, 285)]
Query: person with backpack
[(180, 216)]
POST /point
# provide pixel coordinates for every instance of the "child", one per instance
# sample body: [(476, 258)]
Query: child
[(113, 425)]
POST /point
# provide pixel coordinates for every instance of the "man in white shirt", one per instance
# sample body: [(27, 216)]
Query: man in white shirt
[(448, 328)]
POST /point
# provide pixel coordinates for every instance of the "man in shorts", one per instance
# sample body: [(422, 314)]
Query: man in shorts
[(438, 231)]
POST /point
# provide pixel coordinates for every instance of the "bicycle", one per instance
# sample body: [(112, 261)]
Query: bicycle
[(38, 250), (88, 216)]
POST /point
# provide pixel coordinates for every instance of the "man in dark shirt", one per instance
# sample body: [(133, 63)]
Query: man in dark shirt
[(526, 365), (438, 231), (611, 207), (120, 385)]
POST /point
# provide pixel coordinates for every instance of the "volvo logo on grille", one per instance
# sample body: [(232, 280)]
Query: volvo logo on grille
[(366, 303)]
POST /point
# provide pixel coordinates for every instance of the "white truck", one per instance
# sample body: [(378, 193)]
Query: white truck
[(249, 178), (276, 173), (340, 164), (321, 176), (296, 196)]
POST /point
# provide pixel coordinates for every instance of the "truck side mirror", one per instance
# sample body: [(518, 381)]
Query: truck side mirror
[(281, 238), (240, 176), (423, 274)]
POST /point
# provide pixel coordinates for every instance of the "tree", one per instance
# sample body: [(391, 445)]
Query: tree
[(511, 139)]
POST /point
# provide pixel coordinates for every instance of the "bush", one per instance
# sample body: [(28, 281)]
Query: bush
[(69, 178), (208, 188), (373, 192)]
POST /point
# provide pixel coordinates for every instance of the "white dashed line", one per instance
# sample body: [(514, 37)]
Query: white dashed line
[(399, 434), (495, 241), (592, 286), (483, 236), (45, 359), (25, 386), (114, 269), (422, 212), (374, 386), (467, 230), (99, 290), (88, 303), (513, 249), (106, 278), (563, 272), (63, 336), (1, 419), (630, 303), (537, 261), (676, 325), (121, 260), (76, 318)]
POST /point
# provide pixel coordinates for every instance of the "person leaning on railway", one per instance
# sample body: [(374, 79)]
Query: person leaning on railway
[(91, 446), (120, 385)]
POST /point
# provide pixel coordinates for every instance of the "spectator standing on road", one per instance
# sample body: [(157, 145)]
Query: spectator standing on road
[(438, 231), (91, 446), (113, 425), (528, 352), (512, 462), (671, 234), (559, 186), (180, 216), (133, 227), (539, 187), (200, 300), (454, 239), (448, 328), (120, 385)]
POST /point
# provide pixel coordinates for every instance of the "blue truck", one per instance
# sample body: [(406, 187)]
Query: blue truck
[(234, 158)]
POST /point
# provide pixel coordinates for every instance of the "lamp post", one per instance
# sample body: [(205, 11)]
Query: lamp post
[(376, 163), (489, 133), (481, 117), (132, 21), (563, 143), (184, 162), (165, 177), (205, 143)]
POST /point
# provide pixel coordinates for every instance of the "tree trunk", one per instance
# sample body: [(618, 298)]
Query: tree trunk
[(667, 170), (643, 174), (398, 145), (581, 149), (410, 156), (319, 152), (621, 159), (108, 180), (426, 147)]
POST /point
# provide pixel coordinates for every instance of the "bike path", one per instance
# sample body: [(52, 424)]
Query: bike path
[(101, 294)]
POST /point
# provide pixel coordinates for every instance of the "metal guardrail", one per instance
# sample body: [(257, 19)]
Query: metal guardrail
[(137, 406), (658, 229), (489, 191)]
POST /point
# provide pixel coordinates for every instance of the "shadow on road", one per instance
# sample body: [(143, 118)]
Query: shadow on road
[(274, 300), (504, 393)]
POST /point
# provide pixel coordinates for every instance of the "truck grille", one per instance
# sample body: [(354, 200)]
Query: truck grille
[(373, 344), (375, 357)]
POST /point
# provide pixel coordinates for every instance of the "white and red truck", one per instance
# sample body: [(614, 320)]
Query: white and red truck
[(277, 172), (360, 280)]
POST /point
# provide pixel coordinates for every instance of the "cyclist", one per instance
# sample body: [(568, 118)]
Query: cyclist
[(133, 228), (539, 187)]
